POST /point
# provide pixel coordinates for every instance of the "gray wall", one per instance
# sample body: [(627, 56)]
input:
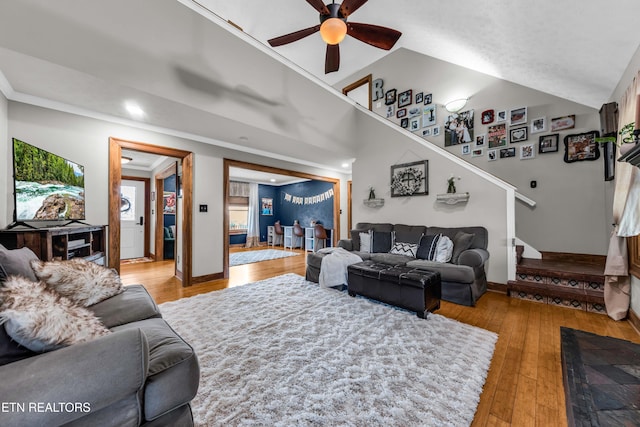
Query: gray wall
[(382, 146), (86, 141), (573, 200)]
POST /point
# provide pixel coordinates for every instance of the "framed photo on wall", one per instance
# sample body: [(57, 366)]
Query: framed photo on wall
[(527, 151), (562, 123), (390, 97), (405, 98), (581, 146), (266, 206), (548, 143), (518, 134), (169, 203), (518, 116), (539, 125), (507, 152)]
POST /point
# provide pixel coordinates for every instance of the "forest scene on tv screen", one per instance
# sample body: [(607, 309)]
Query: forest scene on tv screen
[(47, 186)]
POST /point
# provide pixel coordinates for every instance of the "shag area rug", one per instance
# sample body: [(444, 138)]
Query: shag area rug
[(285, 352), (247, 257)]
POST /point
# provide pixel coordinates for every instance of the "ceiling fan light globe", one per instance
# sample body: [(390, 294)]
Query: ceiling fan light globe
[(333, 30)]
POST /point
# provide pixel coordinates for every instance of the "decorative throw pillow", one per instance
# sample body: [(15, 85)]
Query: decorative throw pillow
[(428, 247), (15, 262), (41, 320), (365, 242), (444, 249), (461, 242), (381, 241), (84, 282), (401, 248)]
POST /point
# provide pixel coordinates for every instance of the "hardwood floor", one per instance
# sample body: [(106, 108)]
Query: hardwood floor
[(524, 385)]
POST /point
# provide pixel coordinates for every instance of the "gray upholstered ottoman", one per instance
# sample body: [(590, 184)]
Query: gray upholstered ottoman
[(410, 288)]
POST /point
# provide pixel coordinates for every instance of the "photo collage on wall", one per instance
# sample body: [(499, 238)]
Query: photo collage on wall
[(504, 133), (510, 133), (414, 111)]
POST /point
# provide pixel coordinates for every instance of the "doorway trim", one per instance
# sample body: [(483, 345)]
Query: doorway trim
[(147, 209), (253, 166), (159, 235), (366, 80), (115, 178)]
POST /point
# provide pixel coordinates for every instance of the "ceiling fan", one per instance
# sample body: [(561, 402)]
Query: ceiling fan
[(334, 27)]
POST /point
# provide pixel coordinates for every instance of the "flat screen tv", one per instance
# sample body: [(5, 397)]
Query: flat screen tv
[(46, 187)]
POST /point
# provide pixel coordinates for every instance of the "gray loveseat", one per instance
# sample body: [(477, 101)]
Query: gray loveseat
[(143, 373), (463, 279)]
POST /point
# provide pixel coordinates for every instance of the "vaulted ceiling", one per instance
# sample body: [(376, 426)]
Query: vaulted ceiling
[(196, 76)]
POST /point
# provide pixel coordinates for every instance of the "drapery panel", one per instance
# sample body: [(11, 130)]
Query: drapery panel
[(253, 217), (626, 215)]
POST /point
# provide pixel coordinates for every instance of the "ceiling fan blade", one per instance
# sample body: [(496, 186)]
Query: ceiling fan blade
[(349, 6), (375, 35), (320, 6), (332, 60), (292, 37)]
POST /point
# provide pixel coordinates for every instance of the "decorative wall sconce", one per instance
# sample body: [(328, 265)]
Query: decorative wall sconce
[(456, 105)]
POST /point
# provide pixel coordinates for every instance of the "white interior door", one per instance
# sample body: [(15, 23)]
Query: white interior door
[(132, 219)]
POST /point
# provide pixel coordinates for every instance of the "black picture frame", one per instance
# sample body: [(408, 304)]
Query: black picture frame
[(507, 152), (405, 98), (581, 147), (404, 122), (402, 112), (548, 143), (519, 134), (390, 97), (416, 177), (419, 97), (428, 99)]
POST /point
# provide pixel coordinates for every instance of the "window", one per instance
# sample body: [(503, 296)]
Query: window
[(238, 214), (127, 203)]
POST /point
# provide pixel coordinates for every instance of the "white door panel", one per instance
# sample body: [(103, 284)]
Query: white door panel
[(132, 219)]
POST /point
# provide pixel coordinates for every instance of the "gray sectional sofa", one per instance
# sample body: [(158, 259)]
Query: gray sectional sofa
[(143, 373), (463, 278)]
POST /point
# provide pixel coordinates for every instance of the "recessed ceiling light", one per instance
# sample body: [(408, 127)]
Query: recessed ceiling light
[(134, 109), (345, 165), (272, 180)]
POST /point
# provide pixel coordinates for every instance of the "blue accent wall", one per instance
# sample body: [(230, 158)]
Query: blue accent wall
[(270, 192), (321, 212), (286, 211)]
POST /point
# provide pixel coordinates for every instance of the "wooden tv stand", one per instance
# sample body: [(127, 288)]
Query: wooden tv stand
[(59, 243)]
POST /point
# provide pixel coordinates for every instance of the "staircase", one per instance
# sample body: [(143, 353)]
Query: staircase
[(566, 280)]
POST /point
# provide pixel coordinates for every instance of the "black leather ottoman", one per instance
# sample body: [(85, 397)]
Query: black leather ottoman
[(410, 288)]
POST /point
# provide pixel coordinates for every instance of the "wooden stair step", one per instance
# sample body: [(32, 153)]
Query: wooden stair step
[(562, 270), (586, 295)]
